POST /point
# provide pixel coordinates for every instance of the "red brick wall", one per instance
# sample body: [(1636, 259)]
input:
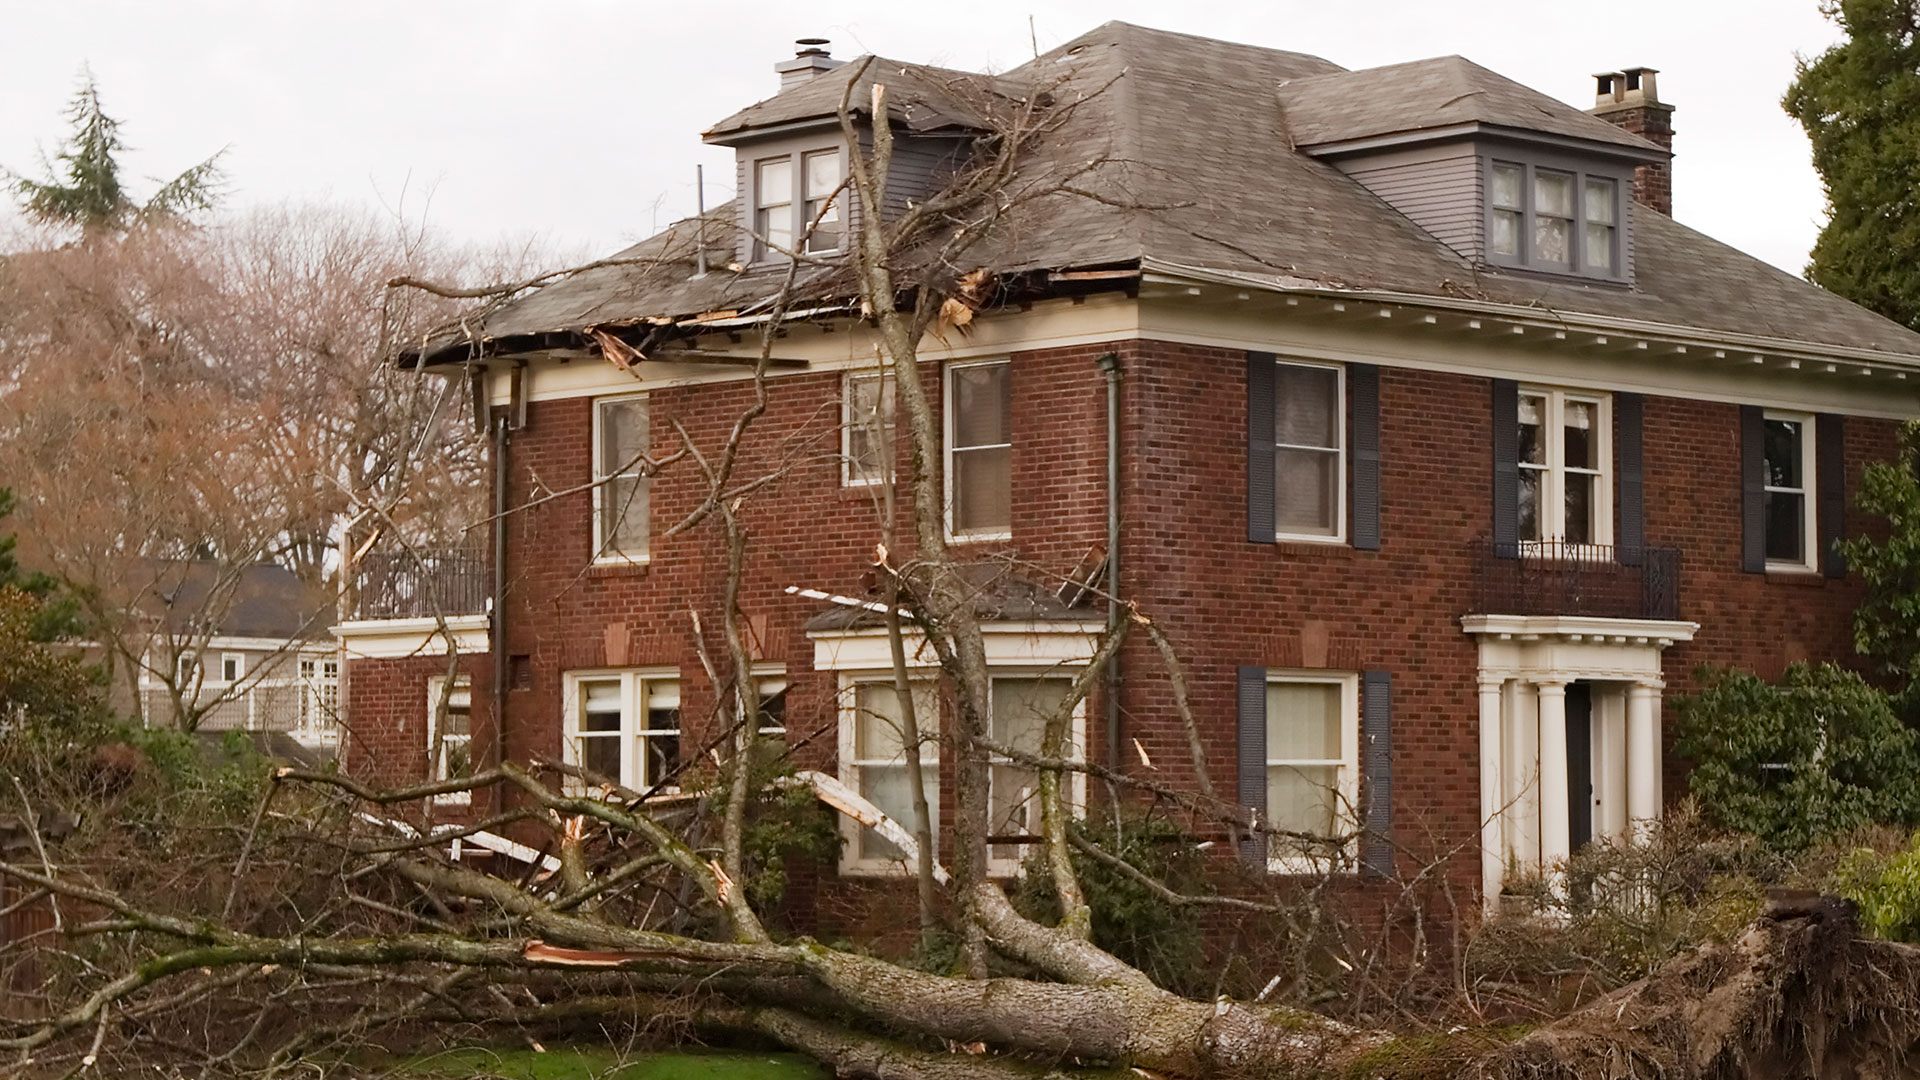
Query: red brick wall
[(385, 710), (1223, 601)]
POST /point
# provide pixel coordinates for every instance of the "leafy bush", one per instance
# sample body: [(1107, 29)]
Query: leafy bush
[(1816, 755), (1129, 920), (1887, 888), (1886, 626)]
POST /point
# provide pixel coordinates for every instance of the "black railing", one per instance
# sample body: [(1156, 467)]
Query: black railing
[(1554, 577), (421, 584)]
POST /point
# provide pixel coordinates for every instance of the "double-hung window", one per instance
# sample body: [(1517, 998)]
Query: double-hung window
[(622, 489), (1565, 450), (233, 666), (1313, 768), (1021, 707), (979, 451), (319, 692), (772, 208), (821, 174), (1791, 523), (874, 762), (866, 428), (450, 734), (1309, 433), (625, 726), (1562, 220)]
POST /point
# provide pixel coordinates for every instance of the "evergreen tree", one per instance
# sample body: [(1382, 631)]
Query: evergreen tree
[(1860, 104), (52, 613), (83, 186)]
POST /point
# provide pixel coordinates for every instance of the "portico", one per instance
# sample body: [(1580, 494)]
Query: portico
[(1569, 732)]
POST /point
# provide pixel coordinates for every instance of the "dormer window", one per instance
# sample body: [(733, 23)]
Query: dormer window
[(813, 187), (1561, 220)]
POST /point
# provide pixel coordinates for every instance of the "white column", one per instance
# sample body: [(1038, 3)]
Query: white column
[(1556, 832), (1521, 774), (1493, 847), (1643, 755), (1610, 760)]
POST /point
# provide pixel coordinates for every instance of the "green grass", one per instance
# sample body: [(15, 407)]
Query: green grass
[(584, 1063)]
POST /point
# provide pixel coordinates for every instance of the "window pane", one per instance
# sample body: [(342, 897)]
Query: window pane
[(456, 759), (623, 434), (1783, 453), (1506, 185), (1303, 721), (869, 415), (981, 411), (1021, 708), (1531, 518), (1506, 232), (1552, 193), (1306, 406), (1598, 248), (1304, 492), (886, 787), (661, 755), (602, 698), (601, 755), (1301, 798), (623, 515), (1786, 526), (878, 721), (1580, 434), (1580, 507), (823, 174), (775, 184), (982, 490), (1599, 200), (1533, 447), (1014, 805), (826, 233), (1551, 239), (775, 226)]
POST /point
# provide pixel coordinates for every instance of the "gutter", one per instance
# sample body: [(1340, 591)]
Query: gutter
[(496, 603), (1109, 365)]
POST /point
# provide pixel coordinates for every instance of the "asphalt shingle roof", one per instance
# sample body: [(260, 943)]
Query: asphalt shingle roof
[(1196, 140)]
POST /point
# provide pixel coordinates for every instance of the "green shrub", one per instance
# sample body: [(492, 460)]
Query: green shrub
[(1816, 755), (1887, 888)]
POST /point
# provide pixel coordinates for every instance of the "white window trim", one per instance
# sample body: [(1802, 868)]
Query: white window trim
[(764, 253), (602, 554), (1339, 534), (947, 403), (239, 661), (849, 476), (1076, 792), (1523, 258), (632, 698), (1553, 525), (436, 688), (1809, 516), (802, 217), (319, 691), (1347, 814), (848, 705)]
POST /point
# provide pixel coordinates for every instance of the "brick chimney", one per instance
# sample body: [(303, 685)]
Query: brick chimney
[(1630, 100), (812, 59)]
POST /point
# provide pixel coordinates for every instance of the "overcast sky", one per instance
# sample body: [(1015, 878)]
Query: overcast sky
[(579, 122)]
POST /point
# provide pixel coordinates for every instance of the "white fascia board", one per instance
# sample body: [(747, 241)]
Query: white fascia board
[(1580, 627), (390, 639), (1037, 645)]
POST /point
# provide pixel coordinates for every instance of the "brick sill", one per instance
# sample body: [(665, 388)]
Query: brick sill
[(618, 570)]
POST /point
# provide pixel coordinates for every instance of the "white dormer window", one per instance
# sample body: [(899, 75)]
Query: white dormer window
[(822, 179), (773, 208), (806, 182), (1566, 494), (1565, 221)]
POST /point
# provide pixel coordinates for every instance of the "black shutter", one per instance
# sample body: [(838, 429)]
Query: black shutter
[(1506, 468), (1753, 489), (1252, 743), (1260, 391), (1376, 727), (1363, 398), (1630, 539), (1830, 477)]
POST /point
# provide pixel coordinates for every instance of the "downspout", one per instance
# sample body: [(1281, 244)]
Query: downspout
[(1109, 365), (497, 623)]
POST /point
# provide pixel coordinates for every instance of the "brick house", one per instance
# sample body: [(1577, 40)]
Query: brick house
[(1441, 452)]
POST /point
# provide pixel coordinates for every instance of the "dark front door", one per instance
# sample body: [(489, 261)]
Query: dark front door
[(1580, 763)]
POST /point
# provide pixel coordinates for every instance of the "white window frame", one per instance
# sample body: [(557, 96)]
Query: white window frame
[(603, 553), (1809, 479), (1076, 792), (187, 671), (633, 697), (1553, 523), (436, 688), (947, 405), (1347, 780), (848, 703), (1339, 534), (849, 475), (319, 691), (239, 663), (763, 250), (838, 198), (1524, 258)]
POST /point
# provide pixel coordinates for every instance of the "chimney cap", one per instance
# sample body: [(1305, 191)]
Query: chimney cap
[(1629, 87), (809, 60), (812, 45)]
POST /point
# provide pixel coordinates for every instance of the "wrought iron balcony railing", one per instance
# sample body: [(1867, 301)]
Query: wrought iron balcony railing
[(420, 585), (1554, 577)]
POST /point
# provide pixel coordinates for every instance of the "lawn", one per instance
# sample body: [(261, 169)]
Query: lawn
[(594, 1063)]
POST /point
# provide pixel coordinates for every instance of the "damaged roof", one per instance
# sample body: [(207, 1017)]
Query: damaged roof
[(1192, 139), (999, 595)]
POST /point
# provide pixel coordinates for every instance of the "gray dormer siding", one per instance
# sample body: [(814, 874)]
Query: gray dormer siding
[(1439, 188), (922, 165)]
